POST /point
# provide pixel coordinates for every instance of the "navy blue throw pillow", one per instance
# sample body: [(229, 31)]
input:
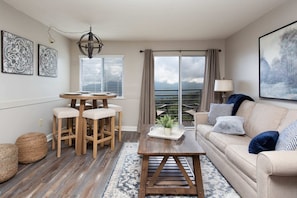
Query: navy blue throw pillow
[(265, 141)]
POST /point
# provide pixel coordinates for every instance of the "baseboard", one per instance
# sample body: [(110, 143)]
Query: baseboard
[(124, 128), (49, 137), (129, 128)]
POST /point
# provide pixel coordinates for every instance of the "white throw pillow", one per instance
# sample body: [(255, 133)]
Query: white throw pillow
[(232, 125), (217, 110)]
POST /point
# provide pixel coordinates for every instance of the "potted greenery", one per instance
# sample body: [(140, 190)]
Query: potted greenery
[(167, 122)]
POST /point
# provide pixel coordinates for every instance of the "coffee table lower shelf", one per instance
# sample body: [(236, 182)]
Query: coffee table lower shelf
[(170, 175)]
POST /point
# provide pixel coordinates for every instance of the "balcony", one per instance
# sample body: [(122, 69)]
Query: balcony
[(167, 103)]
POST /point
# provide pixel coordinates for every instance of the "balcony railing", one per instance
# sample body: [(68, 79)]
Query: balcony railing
[(167, 103)]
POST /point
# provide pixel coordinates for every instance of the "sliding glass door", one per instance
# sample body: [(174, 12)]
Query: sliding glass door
[(178, 85)]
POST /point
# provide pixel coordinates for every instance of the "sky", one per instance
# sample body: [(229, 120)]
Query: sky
[(167, 69)]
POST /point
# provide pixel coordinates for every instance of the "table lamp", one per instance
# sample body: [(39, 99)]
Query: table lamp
[(223, 86)]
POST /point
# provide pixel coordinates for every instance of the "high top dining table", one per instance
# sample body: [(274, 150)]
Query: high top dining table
[(74, 96)]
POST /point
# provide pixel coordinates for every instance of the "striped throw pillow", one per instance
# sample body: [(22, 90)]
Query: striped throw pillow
[(287, 139)]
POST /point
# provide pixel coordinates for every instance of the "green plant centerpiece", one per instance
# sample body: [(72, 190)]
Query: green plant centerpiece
[(167, 122)]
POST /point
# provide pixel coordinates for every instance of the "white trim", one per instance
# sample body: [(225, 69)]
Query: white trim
[(129, 128), (49, 137), (26, 102)]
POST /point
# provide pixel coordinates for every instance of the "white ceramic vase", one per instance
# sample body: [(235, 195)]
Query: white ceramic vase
[(167, 131)]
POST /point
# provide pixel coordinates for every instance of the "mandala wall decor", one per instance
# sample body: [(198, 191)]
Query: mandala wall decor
[(47, 61), (17, 54)]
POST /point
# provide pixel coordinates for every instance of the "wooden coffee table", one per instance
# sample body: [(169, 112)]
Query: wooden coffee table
[(165, 169)]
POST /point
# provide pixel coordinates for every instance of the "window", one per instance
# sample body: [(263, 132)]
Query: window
[(102, 74), (178, 85)]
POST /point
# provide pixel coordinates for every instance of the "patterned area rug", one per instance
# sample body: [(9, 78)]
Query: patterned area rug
[(124, 182)]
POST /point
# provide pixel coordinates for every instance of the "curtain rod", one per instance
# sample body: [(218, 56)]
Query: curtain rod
[(178, 50)]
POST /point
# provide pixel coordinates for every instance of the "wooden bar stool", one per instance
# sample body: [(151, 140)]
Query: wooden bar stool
[(98, 135), (119, 115), (59, 133)]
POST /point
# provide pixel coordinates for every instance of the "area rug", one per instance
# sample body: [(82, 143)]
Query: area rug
[(124, 181)]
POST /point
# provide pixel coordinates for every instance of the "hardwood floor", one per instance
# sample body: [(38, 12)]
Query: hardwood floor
[(69, 176)]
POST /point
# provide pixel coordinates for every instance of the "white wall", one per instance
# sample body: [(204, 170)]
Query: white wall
[(242, 58), (25, 99), (133, 64)]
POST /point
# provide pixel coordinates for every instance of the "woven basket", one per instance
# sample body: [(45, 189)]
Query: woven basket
[(32, 147), (8, 161)]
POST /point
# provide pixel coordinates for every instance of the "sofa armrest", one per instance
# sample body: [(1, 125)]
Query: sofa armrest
[(278, 163), (277, 174), (201, 118)]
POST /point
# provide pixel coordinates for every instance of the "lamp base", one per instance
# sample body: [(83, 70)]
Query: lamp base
[(224, 96)]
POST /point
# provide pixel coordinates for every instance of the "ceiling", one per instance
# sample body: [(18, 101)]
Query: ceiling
[(147, 20)]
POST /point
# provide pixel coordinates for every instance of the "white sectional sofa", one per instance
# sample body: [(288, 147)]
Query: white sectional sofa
[(268, 174)]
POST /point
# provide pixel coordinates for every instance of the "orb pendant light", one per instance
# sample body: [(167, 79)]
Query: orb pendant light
[(91, 45)]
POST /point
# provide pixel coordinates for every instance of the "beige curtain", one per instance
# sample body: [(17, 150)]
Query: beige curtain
[(147, 112), (212, 72)]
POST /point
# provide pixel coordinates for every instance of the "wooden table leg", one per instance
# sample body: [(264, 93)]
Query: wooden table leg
[(70, 121), (143, 177), (198, 176), (73, 102), (80, 128), (95, 105), (105, 104)]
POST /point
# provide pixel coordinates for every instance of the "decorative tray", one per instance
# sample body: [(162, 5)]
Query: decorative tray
[(158, 132)]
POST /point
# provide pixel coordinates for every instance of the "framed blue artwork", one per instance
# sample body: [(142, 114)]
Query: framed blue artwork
[(278, 63)]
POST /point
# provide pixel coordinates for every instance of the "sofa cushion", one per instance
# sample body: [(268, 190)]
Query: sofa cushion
[(264, 117), (232, 125), (237, 99), (288, 138), (245, 109), (242, 159), (265, 141), (217, 110), (204, 129), (290, 117), (221, 141)]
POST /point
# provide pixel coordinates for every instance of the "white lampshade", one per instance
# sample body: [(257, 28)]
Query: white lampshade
[(223, 85)]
